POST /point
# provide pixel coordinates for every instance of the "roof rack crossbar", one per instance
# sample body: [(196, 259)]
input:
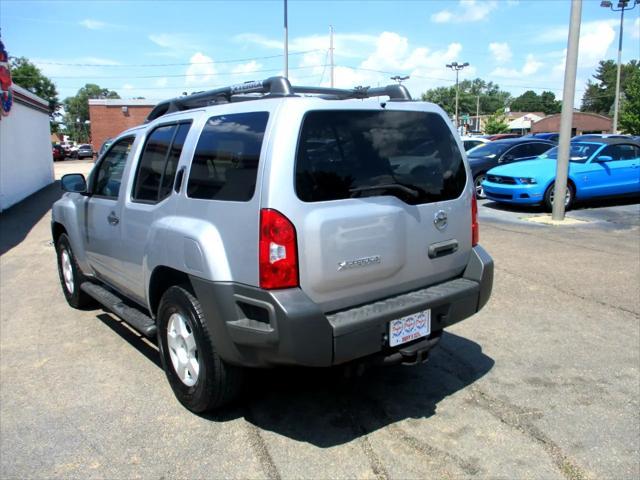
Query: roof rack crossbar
[(273, 86)]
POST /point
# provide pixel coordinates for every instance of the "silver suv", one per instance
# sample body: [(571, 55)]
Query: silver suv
[(263, 224)]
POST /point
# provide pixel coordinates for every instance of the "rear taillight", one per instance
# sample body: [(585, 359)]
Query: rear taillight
[(475, 229), (278, 253)]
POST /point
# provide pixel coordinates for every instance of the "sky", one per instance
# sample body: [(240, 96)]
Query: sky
[(160, 49)]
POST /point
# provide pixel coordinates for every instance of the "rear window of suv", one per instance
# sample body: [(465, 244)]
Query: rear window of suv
[(349, 154)]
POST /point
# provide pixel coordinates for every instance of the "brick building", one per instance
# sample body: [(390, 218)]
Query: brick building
[(582, 123), (109, 117)]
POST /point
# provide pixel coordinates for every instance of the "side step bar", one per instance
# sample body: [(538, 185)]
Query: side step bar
[(134, 317)]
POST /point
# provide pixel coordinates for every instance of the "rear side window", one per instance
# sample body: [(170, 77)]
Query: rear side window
[(158, 163), (347, 154), (225, 162)]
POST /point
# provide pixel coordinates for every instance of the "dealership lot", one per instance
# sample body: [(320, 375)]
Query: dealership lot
[(543, 383)]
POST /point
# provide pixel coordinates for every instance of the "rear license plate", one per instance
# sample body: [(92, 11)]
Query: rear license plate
[(409, 328)]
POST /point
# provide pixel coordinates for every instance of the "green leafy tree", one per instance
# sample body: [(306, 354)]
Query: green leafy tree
[(490, 96), (600, 94), (77, 110), (630, 107), (496, 123), (27, 75), (530, 101)]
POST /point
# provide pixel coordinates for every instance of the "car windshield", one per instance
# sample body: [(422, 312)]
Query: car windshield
[(580, 152), (490, 149)]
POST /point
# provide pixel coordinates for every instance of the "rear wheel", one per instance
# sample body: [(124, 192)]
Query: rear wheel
[(477, 182), (70, 275), (549, 195), (199, 378)]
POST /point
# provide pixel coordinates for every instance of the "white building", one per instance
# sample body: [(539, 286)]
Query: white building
[(26, 161)]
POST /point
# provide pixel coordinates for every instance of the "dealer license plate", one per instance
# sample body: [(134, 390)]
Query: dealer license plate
[(409, 328)]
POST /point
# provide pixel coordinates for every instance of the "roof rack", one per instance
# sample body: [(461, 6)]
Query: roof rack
[(271, 87)]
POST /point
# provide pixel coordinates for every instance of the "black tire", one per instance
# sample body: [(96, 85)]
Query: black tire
[(477, 185), (568, 203), (71, 286), (217, 383)]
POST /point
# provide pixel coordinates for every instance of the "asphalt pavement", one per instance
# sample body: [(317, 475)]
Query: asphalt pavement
[(543, 383)]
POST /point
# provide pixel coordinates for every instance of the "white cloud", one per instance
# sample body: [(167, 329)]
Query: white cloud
[(501, 52), (92, 24), (254, 38), (201, 70), (246, 68), (530, 67), (127, 86), (466, 11), (175, 44), (161, 82), (635, 29)]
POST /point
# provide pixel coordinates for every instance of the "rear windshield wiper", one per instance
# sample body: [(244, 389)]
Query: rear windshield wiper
[(412, 192)]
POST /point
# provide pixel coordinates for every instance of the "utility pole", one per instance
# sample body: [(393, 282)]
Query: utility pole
[(331, 51), (566, 116), (623, 4), (478, 113), (286, 42), (457, 67)]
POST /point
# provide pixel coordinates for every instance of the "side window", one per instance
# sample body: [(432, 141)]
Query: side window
[(109, 175), (158, 162), (520, 151), (620, 152), (225, 162), (539, 148)]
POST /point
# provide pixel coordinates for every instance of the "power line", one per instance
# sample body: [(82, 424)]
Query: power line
[(127, 65)]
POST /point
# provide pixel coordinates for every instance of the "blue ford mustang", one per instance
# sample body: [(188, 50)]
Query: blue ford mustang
[(597, 168)]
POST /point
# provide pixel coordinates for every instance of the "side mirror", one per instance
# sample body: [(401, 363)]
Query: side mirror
[(507, 159), (604, 158), (74, 182)]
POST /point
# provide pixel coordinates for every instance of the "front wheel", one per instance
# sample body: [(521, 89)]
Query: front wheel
[(549, 195), (477, 182), (70, 275), (199, 378)]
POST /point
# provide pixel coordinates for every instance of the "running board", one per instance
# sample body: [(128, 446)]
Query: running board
[(134, 317)]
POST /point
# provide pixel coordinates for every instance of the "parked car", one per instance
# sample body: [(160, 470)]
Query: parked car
[(485, 157), (551, 136), (85, 150), (105, 145), (597, 136), (470, 142), (599, 168), (58, 152), (67, 146), (501, 136), (281, 230)]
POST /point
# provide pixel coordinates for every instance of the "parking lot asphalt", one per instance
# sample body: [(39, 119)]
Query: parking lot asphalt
[(542, 383)]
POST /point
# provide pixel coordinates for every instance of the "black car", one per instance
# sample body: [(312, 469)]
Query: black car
[(551, 136), (484, 157)]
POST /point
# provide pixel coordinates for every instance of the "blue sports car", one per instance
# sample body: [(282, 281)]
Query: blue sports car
[(597, 168)]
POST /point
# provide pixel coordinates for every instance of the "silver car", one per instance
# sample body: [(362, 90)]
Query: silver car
[(264, 224)]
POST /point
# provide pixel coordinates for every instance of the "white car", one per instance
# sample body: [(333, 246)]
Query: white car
[(470, 142)]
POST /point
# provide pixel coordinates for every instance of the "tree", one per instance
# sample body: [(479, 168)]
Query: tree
[(600, 94), (77, 110), (491, 97), (27, 75), (496, 123), (630, 107), (530, 101)]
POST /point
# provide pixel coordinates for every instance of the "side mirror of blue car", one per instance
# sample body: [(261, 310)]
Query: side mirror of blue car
[(604, 158)]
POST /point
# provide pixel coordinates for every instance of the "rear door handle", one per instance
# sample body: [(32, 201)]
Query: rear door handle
[(112, 219), (441, 249)]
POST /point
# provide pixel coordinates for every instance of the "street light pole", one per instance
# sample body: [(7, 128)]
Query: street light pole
[(457, 67), (622, 6), (566, 116), (286, 42)]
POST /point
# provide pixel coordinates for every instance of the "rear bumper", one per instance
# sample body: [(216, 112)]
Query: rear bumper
[(259, 328)]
